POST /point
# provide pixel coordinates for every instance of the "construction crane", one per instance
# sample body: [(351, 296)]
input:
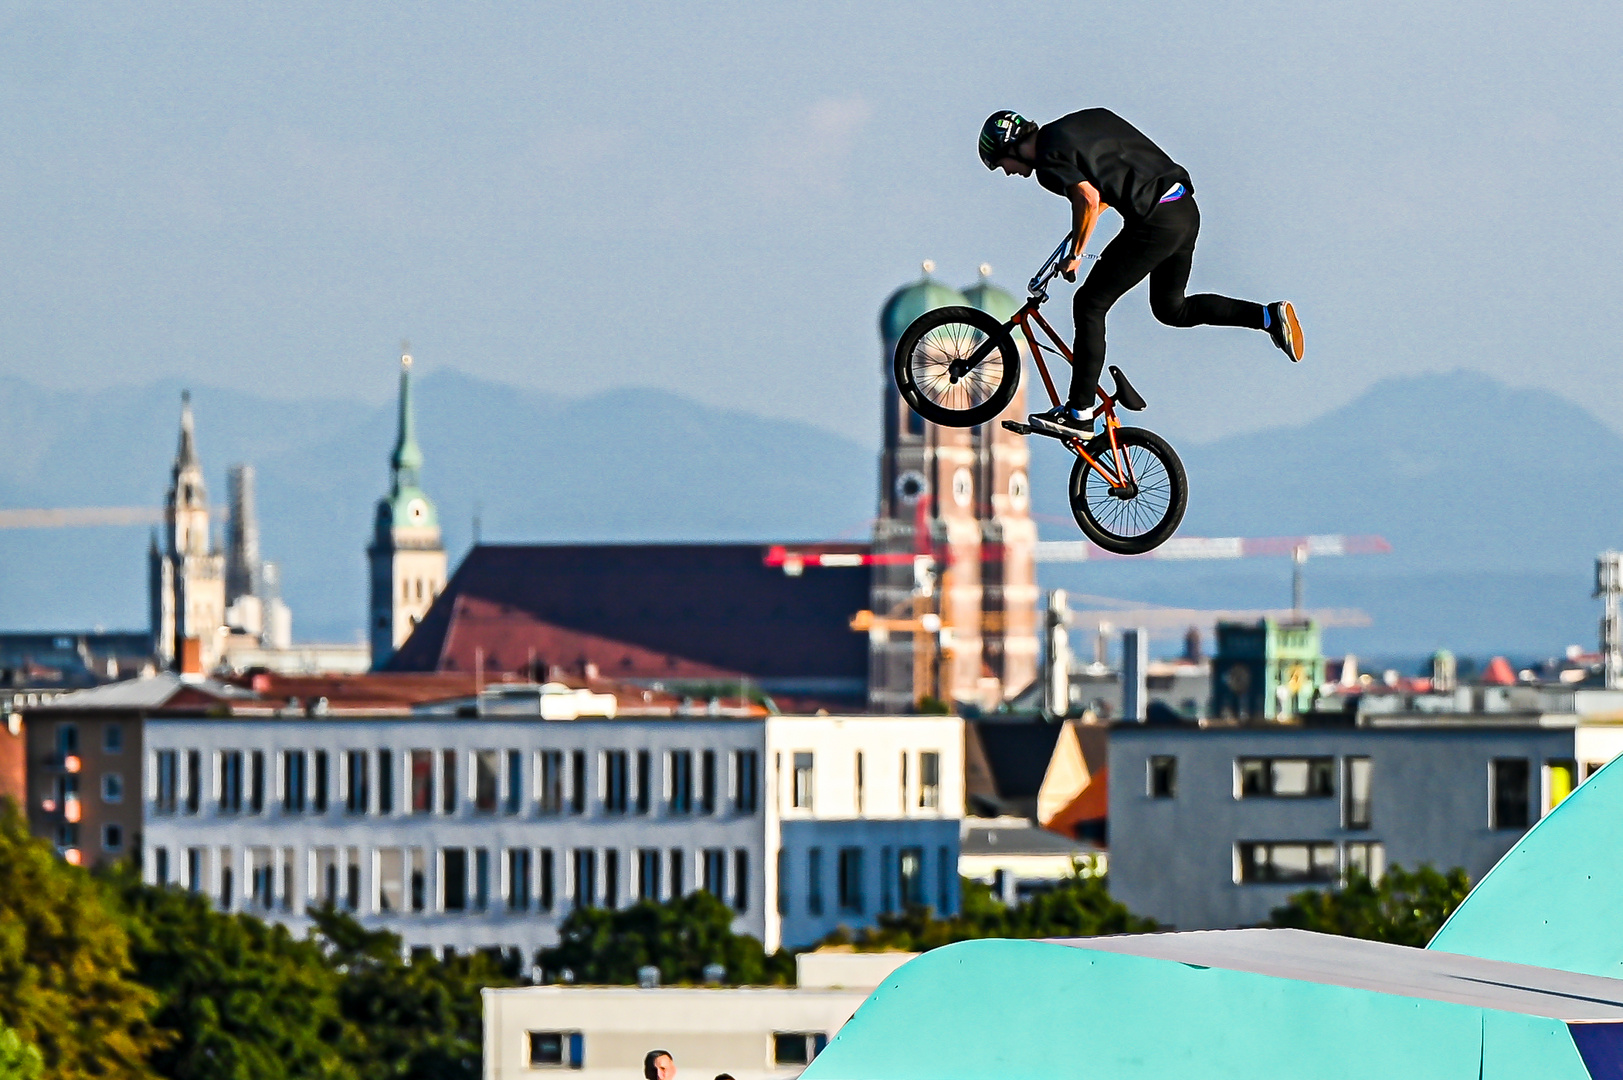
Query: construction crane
[(78, 517)]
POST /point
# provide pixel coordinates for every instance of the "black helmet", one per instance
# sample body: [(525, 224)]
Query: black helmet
[(1000, 133)]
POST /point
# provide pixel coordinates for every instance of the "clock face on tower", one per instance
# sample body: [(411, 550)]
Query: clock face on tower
[(909, 486), (416, 512), (1019, 493)]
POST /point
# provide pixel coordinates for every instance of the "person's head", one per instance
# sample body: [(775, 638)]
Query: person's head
[(658, 1065), (724, 1076), (1008, 142)]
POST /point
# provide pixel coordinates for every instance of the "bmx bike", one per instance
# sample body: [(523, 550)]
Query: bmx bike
[(960, 367)]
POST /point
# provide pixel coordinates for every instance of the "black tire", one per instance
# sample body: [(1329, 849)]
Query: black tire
[(1146, 520), (937, 338)]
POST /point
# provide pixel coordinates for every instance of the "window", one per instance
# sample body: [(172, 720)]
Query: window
[(256, 782), (262, 878), (887, 896), (681, 774), (160, 865), (1259, 863), (797, 1047), (194, 780), (518, 879), (112, 787), (1366, 857), (1163, 777), (385, 782), (1286, 778), (929, 779), (419, 880), (814, 881), (422, 781), (707, 782), (294, 781), (577, 782), (648, 865), (67, 740), (802, 791), (1511, 793), (556, 1049), (454, 879), (585, 877), (391, 870), (326, 882), (747, 769), (859, 793), (910, 876), (318, 797), (228, 889), (644, 780), (550, 790), (480, 899), (611, 878), (515, 782), (903, 789), (355, 794), (168, 782), (230, 767), (112, 739), (678, 878), (543, 893), (112, 838), (946, 881), (352, 879), (1560, 777), (741, 879), (448, 781), (715, 872), (851, 879), (783, 881), (615, 781), (485, 779), (1355, 790), (194, 869)]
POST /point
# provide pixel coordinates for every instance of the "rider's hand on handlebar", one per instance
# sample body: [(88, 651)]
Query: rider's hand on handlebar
[(1070, 266)]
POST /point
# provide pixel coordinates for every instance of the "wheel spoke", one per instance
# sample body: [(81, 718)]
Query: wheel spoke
[(1128, 519)]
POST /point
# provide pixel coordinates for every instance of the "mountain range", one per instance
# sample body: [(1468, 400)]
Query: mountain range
[(1495, 499)]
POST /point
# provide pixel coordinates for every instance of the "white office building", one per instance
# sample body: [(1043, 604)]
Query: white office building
[(485, 832)]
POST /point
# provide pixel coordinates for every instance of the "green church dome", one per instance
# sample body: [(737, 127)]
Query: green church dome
[(911, 301), (996, 302)]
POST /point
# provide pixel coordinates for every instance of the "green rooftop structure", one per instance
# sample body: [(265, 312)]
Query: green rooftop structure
[(1267, 670), (1520, 983)]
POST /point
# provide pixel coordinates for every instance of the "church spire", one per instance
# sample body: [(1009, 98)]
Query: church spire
[(186, 452), (408, 456)]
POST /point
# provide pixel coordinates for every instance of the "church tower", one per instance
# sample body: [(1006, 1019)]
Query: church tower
[(406, 557), (186, 575), (954, 521)]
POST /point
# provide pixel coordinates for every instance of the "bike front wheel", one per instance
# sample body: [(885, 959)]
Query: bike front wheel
[(1141, 514), (930, 366)]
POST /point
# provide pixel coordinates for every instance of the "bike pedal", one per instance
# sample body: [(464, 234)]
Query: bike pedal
[(1020, 429)]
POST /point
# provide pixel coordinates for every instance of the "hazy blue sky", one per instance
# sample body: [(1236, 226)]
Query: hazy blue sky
[(716, 198)]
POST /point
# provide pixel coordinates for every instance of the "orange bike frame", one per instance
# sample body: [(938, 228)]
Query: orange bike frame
[(1122, 475)]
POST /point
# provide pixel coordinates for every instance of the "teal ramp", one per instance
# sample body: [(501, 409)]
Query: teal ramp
[(1556, 898), (1213, 1005)]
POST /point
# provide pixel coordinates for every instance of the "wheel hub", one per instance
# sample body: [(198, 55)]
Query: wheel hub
[(1126, 491)]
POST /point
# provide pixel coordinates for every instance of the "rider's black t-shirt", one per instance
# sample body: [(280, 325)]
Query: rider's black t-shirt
[(1096, 145)]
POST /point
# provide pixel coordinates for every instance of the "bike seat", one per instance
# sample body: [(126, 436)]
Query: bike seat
[(1125, 395)]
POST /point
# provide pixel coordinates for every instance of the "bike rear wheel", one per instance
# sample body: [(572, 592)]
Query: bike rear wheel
[(1141, 515), (931, 385)]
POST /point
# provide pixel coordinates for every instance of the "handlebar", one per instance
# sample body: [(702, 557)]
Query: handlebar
[(1038, 285)]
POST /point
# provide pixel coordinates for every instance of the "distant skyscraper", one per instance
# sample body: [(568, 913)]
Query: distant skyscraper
[(406, 556), (241, 535), (186, 575)]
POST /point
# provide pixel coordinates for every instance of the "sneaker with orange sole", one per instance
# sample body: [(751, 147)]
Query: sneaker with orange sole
[(1284, 328)]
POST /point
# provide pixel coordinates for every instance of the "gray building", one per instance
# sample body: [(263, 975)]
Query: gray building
[(1216, 826)]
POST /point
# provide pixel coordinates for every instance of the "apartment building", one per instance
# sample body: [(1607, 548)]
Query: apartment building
[(476, 832), (1214, 827)]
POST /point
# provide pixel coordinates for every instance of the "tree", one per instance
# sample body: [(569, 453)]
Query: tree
[(243, 999), (1079, 907), (19, 1060), (680, 937), (406, 1021), (65, 973), (1404, 908)]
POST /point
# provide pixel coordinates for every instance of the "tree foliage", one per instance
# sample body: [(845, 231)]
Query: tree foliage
[(680, 937), (65, 985), (19, 1060), (242, 998), (1404, 907), (1079, 907)]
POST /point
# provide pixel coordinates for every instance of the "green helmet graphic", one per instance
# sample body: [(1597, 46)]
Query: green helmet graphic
[(1002, 130)]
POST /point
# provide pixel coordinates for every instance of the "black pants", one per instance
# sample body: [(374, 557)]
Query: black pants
[(1161, 246)]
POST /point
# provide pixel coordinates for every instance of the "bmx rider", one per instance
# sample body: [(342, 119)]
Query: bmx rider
[(1097, 160)]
